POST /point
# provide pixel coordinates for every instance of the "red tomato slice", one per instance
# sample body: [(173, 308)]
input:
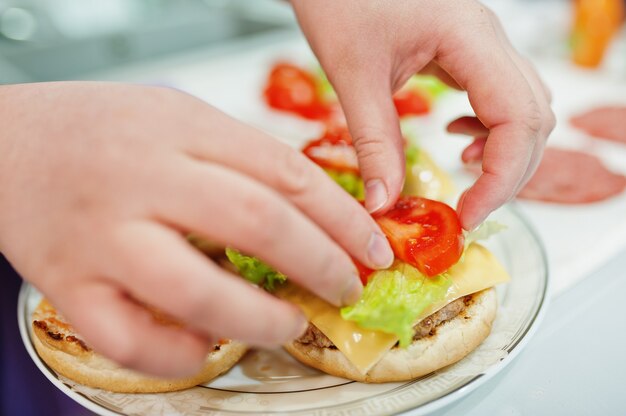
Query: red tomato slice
[(410, 102), (424, 233), (292, 89), (364, 272), (334, 150)]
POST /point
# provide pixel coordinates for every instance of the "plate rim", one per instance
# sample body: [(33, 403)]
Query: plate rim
[(425, 408), (25, 334)]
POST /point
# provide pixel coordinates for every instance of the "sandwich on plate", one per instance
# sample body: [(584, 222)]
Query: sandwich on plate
[(431, 308), (63, 350)]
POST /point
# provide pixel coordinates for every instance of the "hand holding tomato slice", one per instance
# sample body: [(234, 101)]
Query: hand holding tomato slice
[(426, 234)]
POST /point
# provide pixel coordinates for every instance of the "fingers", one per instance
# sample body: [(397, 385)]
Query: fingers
[(159, 267), (433, 69), (232, 209), (512, 115), (475, 151), (373, 122), (360, 73), (119, 329), (538, 85), (305, 185), (543, 97), (470, 126)]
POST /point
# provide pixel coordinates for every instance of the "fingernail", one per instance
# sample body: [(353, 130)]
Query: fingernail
[(375, 195), (353, 292), (463, 217), (472, 225), (379, 251)]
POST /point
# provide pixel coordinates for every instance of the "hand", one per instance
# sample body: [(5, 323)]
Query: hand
[(100, 185), (370, 48)]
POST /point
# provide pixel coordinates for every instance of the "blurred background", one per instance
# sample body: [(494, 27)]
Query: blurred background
[(64, 39), (198, 45)]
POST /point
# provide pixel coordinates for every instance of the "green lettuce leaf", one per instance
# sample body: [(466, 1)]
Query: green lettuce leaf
[(428, 83), (324, 87), (255, 271), (350, 182), (411, 154), (353, 184), (483, 232), (393, 299)]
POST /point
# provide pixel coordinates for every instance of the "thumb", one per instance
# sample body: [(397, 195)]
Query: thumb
[(375, 129)]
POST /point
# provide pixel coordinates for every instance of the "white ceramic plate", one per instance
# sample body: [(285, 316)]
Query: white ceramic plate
[(271, 382)]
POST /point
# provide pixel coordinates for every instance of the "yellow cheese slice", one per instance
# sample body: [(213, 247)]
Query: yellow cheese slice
[(427, 180), (477, 270)]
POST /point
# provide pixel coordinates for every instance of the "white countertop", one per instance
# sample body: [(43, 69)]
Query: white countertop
[(575, 363)]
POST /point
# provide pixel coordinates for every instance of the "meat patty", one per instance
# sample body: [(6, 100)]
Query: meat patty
[(426, 327)]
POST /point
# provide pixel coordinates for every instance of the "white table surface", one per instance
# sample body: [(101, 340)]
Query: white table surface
[(575, 363)]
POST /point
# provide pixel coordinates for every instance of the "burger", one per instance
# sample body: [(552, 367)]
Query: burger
[(431, 308), (63, 350)]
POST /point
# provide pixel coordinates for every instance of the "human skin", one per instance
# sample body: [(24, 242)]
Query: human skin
[(100, 184), (370, 48)]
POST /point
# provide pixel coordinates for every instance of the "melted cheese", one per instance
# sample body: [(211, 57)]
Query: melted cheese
[(427, 180), (477, 270)]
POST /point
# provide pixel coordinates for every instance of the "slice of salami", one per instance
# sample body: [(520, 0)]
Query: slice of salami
[(572, 177), (603, 122)]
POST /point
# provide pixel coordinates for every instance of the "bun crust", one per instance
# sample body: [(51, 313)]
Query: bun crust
[(453, 340), (69, 356)]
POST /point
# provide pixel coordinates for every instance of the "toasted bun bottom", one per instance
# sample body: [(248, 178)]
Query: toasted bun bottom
[(452, 341), (94, 370)]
